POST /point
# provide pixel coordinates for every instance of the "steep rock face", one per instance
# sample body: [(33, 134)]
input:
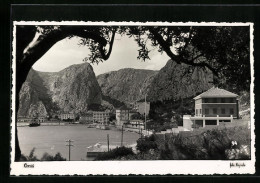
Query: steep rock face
[(31, 99), (71, 89), (175, 81), (125, 84)]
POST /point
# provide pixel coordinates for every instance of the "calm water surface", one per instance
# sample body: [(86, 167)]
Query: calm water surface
[(52, 139)]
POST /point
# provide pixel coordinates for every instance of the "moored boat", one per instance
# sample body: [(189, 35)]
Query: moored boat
[(34, 124), (102, 127)]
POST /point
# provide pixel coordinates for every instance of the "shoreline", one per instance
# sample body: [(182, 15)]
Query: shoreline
[(111, 127)]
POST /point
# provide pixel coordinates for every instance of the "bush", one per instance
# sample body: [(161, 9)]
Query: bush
[(48, 157), (146, 143), (150, 155), (115, 153), (31, 156), (212, 144), (45, 157)]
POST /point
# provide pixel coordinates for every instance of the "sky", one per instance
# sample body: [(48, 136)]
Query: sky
[(124, 55)]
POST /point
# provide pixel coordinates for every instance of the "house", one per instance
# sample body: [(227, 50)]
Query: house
[(122, 115), (24, 119), (137, 123), (142, 107), (41, 119), (67, 116), (215, 102), (214, 106), (101, 116)]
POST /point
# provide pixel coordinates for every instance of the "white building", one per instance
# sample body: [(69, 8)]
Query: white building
[(67, 116), (101, 116), (122, 116)]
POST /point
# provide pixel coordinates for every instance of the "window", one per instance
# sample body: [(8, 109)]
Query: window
[(206, 100), (200, 111), (214, 110), (223, 111), (231, 100), (206, 111), (214, 100), (196, 112), (223, 100), (231, 111)]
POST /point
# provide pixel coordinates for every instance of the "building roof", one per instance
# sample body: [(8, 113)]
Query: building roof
[(142, 101), (123, 108), (215, 92)]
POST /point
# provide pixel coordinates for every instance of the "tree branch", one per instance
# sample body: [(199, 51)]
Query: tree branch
[(102, 51), (178, 58), (164, 45)]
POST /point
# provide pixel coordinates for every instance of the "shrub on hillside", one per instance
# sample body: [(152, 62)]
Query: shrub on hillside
[(115, 153), (31, 156), (212, 144), (149, 155), (146, 143), (48, 157), (45, 157)]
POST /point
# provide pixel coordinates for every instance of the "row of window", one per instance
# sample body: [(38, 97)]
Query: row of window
[(215, 111), (219, 100)]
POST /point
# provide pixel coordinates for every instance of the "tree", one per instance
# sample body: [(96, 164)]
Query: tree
[(222, 50), (137, 116)]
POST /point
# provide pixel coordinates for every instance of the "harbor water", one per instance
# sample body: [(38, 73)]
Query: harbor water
[(52, 139)]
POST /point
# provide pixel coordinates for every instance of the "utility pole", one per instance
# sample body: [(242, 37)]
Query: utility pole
[(139, 129), (70, 144), (145, 112), (107, 142), (122, 135)]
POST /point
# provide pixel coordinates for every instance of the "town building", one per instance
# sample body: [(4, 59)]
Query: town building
[(67, 116), (215, 102), (213, 106), (142, 107), (136, 124), (101, 116), (41, 119), (122, 115), (24, 119)]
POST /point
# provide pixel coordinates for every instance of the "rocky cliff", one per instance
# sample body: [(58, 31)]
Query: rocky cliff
[(125, 85), (175, 81), (71, 89)]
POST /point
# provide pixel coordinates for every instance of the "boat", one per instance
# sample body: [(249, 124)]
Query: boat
[(34, 124), (91, 126), (102, 127)]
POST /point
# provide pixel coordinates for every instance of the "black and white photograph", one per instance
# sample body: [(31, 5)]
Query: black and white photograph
[(131, 95)]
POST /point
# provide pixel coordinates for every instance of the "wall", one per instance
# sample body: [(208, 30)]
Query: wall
[(187, 122), (227, 108)]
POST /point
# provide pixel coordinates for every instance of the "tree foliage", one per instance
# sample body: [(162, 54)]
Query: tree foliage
[(115, 153), (146, 143), (223, 50), (45, 157)]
